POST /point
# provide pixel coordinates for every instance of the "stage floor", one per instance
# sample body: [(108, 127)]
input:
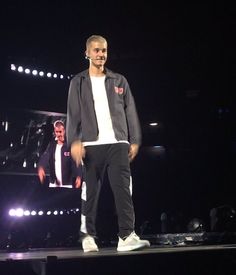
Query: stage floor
[(158, 259), (42, 254)]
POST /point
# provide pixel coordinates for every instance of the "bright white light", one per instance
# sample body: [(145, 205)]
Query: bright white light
[(13, 67), (6, 126), (55, 212), (27, 71), (49, 213), (61, 212), (153, 124), (12, 212), (34, 72), (11, 144), (20, 69), (40, 213), (26, 213), (19, 212), (33, 213), (24, 163)]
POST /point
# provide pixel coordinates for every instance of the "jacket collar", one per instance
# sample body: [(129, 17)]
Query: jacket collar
[(108, 73)]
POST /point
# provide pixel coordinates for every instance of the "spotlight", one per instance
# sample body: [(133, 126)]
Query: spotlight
[(20, 69), (27, 71), (196, 226), (34, 72), (26, 213), (13, 67)]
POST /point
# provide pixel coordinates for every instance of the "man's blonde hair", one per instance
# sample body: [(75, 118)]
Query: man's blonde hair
[(95, 38), (58, 123)]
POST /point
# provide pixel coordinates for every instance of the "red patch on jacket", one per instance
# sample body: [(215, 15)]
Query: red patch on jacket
[(119, 90)]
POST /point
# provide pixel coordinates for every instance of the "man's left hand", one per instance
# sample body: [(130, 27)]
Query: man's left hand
[(133, 151)]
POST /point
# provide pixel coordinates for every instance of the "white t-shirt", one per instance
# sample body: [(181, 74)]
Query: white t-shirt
[(58, 171), (106, 133)]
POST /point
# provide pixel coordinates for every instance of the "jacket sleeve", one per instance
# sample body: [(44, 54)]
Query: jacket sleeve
[(76, 170), (133, 123), (44, 158), (73, 123)]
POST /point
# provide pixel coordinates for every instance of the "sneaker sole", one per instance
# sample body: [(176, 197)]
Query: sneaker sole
[(132, 248), (91, 250)]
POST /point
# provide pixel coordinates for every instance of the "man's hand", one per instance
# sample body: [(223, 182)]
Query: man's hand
[(78, 182), (41, 174), (77, 152), (133, 151)]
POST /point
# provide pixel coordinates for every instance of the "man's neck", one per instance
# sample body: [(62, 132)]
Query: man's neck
[(59, 142), (96, 71)]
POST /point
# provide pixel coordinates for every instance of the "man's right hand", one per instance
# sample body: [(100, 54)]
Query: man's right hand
[(41, 174), (77, 152)]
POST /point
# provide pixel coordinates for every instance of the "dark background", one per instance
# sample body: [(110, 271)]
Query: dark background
[(180, 62)]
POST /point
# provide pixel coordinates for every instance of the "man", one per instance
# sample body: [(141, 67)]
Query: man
[(103, 129), (62, 169)]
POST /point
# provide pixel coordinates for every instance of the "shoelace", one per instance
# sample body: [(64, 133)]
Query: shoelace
[(90, 240), (135, 236)]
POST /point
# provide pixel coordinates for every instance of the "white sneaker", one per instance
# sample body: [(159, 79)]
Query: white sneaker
[(132, 242), (88, 244)]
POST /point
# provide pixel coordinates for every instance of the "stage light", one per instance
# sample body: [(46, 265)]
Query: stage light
[(196, 226), (33, 213), (13, 67), (6, 126), (26, 213), (34, 72), (24, 163), (20, 69), (19, 212), (12, 212), (153, 124), (223, 218)]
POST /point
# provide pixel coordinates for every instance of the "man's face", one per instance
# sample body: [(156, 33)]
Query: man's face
[(97, 52), (59, 134)]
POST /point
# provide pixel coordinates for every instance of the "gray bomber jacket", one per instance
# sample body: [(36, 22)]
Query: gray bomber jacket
[(81, 117)]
